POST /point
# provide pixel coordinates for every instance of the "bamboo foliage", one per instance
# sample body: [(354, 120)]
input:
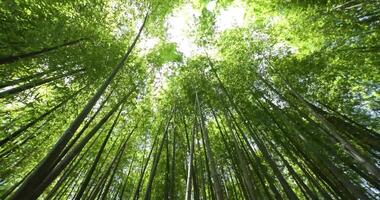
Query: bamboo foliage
[(281, 106)]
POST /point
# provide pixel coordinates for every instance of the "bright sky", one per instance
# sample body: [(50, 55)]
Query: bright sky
[(146, 44), (182, 23), (181, 26), (231, 17)]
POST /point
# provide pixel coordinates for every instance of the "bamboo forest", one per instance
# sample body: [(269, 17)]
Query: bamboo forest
[(190, 99)]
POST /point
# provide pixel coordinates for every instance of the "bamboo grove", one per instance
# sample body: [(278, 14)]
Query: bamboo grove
[(283, 106)]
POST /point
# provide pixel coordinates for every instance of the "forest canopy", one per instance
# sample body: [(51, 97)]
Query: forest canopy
[(196, 99)]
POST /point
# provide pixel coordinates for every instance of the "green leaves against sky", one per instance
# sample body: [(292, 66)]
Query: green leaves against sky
[(198, 99)]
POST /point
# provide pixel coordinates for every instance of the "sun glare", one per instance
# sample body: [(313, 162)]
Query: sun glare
[(179, 28), (230, 17)]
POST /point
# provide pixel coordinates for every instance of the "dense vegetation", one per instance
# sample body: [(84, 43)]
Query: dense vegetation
[(283, 106)]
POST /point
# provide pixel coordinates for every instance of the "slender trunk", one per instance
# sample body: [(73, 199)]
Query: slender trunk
[(10, 190), (126, 178), (103, 192), (36, 83), (172, 194), (361, 159), (62, 164), (224, 179), (96, 160), (156, 160), (116, 165), (83, 129), (210, 192), (193, 172), (71, 168), (103, 177), (139, 183), (307, 192), (213, 168), (195, 180), (77, 182), (298, 180), (241, 163), (233, 184), (288, 191), (45, 165), (99, 176), (232, 157), (6, 152), (290, 154), (167, 170), (350, 121), (329, 174), (190, 166), (202, 171), (366, 138), (286, 148), (364, 161), (12, 59), (70, 184), (27, 78), (41, 117)]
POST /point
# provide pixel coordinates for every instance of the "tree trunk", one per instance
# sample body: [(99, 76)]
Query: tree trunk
[(116, 165), (190, 166), (157, 159), (96, 160), (241, 162), (30, 124), (45, 165), (361, 159), (27, 78), (126, 178), (61, 165), (83, 129), (139, 183), (213, 168), (35, 83), (67, 172), (172, 194), (12, 59)]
